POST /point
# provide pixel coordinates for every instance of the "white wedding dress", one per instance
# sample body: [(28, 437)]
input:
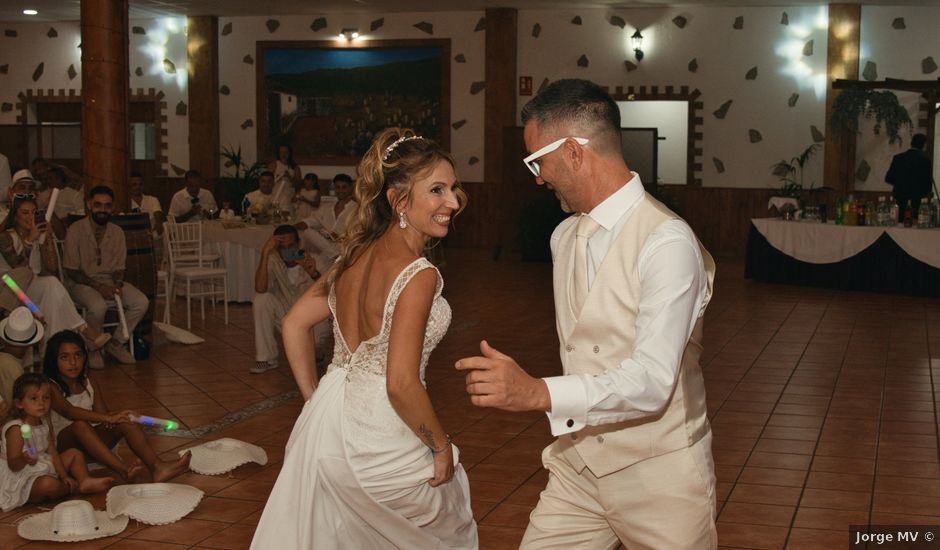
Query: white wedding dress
[(355, 475)]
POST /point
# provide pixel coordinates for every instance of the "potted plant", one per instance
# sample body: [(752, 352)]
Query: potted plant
[(244, 179), (883, 105), (791, 173)]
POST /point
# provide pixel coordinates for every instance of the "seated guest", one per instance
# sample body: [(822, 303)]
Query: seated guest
[(24, 185), (18, 332), (146, 203), (69, 201), (24, 243), (307, 199), (189, 203), (95, 254), (326, 224), (283, 274), (265, 194)]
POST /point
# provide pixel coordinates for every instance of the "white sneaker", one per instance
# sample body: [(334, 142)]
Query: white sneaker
[(263, 366), (120, 352)]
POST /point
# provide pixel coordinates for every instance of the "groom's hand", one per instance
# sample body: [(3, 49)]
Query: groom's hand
[(496, 380)]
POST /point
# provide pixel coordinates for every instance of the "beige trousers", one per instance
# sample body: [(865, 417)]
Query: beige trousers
[(663, 502)]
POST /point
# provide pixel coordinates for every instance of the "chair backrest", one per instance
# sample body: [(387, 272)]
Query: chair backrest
[(59, 245), (184, 240)]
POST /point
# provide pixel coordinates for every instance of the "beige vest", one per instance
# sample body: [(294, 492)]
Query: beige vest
[(604, 336)]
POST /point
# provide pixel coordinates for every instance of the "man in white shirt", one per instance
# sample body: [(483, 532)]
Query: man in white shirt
[(189, 203), (283, 274), (632, 460), (322, 228), (262, 197), (146, 203)]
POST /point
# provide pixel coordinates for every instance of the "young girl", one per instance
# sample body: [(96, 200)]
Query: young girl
[(82, 422), (308, 198), (25, 477)]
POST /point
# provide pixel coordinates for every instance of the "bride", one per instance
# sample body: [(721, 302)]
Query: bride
[(368, 464)]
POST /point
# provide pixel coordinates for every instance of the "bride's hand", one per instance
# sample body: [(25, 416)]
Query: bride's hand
[(443, 467)]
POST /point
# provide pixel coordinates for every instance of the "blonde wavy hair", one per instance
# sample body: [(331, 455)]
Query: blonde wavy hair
[(396, 159)]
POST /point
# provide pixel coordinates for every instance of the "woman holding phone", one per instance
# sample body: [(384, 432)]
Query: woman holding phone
[(25, 241)]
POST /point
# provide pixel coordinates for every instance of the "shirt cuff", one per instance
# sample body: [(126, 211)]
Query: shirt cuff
[(569, 404)]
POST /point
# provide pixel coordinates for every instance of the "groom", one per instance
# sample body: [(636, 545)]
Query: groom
[(633, 456)]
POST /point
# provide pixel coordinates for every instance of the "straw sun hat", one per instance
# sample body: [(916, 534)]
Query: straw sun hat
[(153, 503), (71, 521), (219, 456)]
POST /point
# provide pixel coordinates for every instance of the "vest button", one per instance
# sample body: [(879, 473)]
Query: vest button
[(569, 348), (569, 423), (597, 349), (600, 439)]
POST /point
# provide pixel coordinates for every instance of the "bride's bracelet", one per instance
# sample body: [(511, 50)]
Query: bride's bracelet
[(448, 439)]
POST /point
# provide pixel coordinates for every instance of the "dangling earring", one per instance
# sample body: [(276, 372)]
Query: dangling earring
[(401, 220)]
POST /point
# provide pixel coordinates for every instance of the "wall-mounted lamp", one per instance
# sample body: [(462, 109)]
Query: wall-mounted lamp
[(349, 34), (637, 40)]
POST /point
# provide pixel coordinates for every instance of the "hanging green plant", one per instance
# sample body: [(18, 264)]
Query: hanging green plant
[(882, 105)]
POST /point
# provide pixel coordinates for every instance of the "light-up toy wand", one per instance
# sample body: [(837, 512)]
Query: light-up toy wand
[(20, 295), (28, 448), (162, 423)]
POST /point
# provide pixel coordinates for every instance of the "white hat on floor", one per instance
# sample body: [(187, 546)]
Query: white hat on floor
[(20, 328), (219, 456), (153, 503), (71, 521)]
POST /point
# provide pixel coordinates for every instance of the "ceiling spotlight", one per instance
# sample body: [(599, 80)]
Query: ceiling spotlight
[(349, 34), (30, 12)]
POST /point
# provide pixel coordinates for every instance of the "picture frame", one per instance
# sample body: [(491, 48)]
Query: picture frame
[(328, 99)]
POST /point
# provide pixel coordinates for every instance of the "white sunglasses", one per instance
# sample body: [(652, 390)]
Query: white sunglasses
[(532, 161)]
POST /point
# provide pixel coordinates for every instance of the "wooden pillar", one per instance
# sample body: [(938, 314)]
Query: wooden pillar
[(105, 90), (500, 108), (842, 62), (202, 45)]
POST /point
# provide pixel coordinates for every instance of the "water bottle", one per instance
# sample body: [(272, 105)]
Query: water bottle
[(893, 212), (881, 214), (923, 215), (246, 204)]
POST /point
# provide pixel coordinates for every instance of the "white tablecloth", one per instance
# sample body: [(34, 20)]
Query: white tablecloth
[(241, 251), (819, 243)]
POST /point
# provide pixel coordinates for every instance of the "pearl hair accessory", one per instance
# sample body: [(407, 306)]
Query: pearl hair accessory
[(396, 143)]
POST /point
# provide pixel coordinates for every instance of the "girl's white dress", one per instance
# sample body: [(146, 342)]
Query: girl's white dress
[(84, 400), (15, 486), (303, 210), (355, 475)]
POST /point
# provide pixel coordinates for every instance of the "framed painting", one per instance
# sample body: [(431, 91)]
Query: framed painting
[(328, 99)]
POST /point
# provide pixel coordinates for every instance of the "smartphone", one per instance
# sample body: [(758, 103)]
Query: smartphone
[(39, 216), (292, 254)]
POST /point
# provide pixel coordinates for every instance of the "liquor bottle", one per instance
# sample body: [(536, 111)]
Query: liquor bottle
[(881, 214), (869, 213), (893, 212), (923, 215), (839, 211), (860, 214), (908, 216)]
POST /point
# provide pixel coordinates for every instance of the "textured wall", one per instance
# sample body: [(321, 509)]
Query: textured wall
[(238, 37), (54, 46)]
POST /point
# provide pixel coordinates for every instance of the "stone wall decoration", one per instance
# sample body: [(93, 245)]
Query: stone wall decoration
[(37, 74), (793, 99), (680, 21), (784, 19), (751, 74), (227, 29), (536, 30), (477, 87), (481, 25), (138, 30), (576, 20), (6, 107), (249, 60), (617, 21), (168, 66), (630, 66), (460, 58), (928, 65), (459, 124), (543, 85), (272, 24), (424, 26), (377, 24), (722, 111), (863, 171), (473, 160), (52, 32), (818, 136), (583, 61), (139, 72), (693, 65), (9, 33), (738, 23), (719, 166), (224, 90), (5, 68), (871, 71), (898, 23), (808, 48), (181, 109), (247, 124), (754, 136), (71, 72)]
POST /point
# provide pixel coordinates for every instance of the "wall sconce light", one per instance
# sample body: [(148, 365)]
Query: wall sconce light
[(637, 40), (349, 34)]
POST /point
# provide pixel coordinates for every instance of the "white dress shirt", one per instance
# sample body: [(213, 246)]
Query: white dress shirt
[(673, 296), (182, 203)]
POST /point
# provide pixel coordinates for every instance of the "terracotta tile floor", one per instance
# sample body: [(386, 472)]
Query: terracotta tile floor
[(823, 406)]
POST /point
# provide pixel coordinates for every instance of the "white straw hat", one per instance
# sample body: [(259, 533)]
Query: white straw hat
[(71, 521), (219, 456), (153, 503), (20, 328)]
